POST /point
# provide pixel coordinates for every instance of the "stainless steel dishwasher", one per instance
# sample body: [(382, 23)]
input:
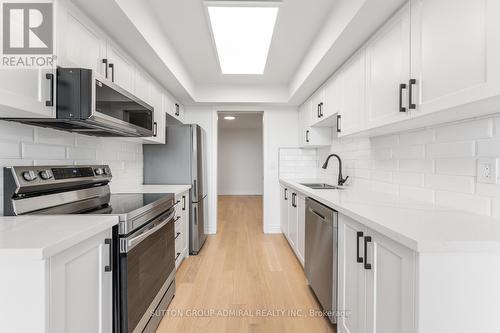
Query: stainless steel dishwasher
[(321, 254)]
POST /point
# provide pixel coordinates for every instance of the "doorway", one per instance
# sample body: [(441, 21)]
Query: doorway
[(240, 155)]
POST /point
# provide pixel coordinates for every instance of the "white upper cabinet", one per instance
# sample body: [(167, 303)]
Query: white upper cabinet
[(27, 93), (388, 71), (318, 102), (79, 45), (159, 122), (455, 52), (333, 97), (311, 136), (352, 110), (121, 70), (143, 86)]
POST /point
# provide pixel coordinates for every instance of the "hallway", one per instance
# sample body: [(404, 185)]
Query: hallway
[(242, 269)]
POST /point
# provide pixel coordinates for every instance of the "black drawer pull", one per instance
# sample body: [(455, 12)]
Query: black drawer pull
[(359, 235), (285, 193), (50, 77), (402, 87), (177, 235), (368, 239), (183, 202), (177, 256), (412, 106), (109, 242)]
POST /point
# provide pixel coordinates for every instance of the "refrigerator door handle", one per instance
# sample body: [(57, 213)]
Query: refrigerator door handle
[(195, 217), (195, 191)]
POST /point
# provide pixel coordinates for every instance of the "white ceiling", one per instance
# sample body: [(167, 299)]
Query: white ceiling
[(186, 25)]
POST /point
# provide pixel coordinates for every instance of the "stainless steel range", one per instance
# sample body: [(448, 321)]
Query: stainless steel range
[(143, 241)]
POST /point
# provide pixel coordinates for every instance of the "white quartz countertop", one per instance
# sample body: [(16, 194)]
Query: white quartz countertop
[(38, 237), (422, 227), (176, 189)]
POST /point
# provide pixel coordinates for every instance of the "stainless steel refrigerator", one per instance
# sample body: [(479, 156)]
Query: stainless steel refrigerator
[(182, 160)]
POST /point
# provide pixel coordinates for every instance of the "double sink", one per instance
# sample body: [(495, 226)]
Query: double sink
[(321, 186)]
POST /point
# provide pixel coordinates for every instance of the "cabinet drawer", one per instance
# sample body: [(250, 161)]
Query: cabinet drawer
[(180, 225), (179, 241)]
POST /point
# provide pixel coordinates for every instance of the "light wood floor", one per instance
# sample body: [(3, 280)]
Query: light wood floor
[(242, 269)]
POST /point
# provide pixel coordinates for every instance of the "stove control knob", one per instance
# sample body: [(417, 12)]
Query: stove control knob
[(46, 174), (29, 175), (98, 171), (107, 171)]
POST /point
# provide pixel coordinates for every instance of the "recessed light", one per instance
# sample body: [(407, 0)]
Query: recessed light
[(242, 35), (229, 118)]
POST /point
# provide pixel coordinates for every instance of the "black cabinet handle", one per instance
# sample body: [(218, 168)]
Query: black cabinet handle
[(50, 77), (412, 106), (368, 239), (339, 128), (294, 200), (321, 110), (177, 109), (402, 87), (177, 256), (307, 136), (112, 66), (183, 202), (155, 129), (105, 62), (359, 235), (285, 193), (177, 235), (109, 242)]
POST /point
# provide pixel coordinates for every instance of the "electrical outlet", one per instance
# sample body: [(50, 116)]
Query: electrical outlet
[(487, 170)]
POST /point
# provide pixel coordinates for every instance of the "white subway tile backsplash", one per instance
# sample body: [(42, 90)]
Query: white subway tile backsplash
[(476, 129), (39, 151), (408, 179), (27, 145), (416, 137), (409, 152), (385, 141), (456, 166), (9, 149), (14, 131), (53, 137), (435, 164), (425, 166), (79, 153), (489, 147), (453, 149), (450, 183)]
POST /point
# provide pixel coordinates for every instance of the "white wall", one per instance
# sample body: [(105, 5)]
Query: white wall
[(29, 145), (280, 127), (240, 169), (435, 164)]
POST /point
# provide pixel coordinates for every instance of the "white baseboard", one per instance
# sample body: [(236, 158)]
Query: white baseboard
[(272, 229)]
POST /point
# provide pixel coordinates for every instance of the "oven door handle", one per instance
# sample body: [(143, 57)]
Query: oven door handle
[(136, 240)]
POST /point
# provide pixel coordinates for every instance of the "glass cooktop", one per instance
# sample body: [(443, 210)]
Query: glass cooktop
[(125, 203)]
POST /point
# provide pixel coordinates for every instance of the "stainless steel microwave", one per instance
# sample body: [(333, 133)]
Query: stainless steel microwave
[(89, 103)]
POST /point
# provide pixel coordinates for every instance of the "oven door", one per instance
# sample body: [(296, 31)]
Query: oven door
[(147, 269)]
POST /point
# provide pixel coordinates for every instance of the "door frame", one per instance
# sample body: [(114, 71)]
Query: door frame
[(215, 166)]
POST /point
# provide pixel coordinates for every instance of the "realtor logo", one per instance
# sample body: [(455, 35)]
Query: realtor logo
[(27, 34), (27, 28)]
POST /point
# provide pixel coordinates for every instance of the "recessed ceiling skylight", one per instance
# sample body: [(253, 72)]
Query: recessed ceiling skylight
[(242, 35)]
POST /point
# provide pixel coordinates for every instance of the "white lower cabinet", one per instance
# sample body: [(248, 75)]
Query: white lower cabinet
[(81, 287), (376, 281), (292, 207), (181, 228), (284, 210), (292, 220)]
